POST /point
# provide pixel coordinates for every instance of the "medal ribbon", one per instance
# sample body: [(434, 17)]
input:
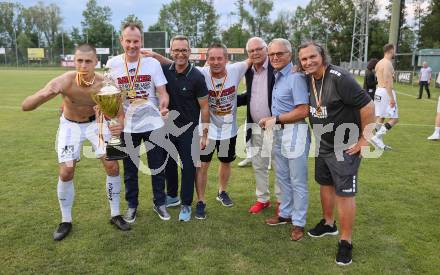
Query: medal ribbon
[(132, 83), (315, 92), (219, 92)]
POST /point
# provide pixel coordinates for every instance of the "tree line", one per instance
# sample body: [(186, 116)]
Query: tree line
[(328, 21)]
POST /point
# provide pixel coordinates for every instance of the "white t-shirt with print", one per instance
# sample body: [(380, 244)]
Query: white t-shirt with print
[(140, 115), (223, 126)]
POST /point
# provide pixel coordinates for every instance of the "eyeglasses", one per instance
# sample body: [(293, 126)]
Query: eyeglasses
[(182, 51), (278, 54), (255, 50)]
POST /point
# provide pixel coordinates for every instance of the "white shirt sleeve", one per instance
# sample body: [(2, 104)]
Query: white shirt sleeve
[(240, 67), (158, 76)]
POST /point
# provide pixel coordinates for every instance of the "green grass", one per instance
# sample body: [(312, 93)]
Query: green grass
[(396, 231)]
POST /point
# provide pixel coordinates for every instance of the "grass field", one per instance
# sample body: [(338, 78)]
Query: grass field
[(396, 231)]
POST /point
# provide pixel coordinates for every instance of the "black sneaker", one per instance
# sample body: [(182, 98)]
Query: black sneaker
[(120, 223), (224, 198), (162, 212), (322, 229), (344, 253), (62, 231), (200, 211), (130, 215)]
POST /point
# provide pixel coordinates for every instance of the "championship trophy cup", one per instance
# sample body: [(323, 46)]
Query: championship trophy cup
[(109, 99)]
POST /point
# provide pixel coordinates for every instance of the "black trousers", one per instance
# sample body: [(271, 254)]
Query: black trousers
[(186, 146), (426, 85)]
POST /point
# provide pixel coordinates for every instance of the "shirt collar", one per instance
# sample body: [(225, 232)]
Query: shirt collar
[(265, 64), (188, 68), (284, 71)]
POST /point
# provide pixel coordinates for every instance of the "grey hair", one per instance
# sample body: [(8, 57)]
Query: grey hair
[(180, 37), (259, 39), (282, 41)]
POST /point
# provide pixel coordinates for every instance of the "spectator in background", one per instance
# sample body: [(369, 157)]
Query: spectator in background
[(425, 77), (370, 80)]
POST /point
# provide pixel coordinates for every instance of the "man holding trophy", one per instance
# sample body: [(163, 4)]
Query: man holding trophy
[(140, 78), (78, 123)]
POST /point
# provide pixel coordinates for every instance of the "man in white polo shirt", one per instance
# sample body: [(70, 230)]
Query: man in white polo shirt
[(425, 77)]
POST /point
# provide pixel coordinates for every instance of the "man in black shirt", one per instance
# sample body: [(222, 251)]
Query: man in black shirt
[(189, 100), (339, 112)]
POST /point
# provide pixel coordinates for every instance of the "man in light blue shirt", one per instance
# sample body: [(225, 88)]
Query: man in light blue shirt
[(290, 101)]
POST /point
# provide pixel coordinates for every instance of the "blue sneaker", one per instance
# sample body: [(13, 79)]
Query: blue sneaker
[(200, 211), (185, 213), (172, 201), (224, 198)]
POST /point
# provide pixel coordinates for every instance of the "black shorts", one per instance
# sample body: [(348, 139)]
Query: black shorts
[(342, 174), (225, 150)]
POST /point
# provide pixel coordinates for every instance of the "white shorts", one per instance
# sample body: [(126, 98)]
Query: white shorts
[(382, 104), (438, 105), (71, 136)]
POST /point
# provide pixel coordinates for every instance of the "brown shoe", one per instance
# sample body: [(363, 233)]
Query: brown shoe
[(277, 220), (297, 233)]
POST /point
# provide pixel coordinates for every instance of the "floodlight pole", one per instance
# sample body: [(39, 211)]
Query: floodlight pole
[(16, 48), (62, 41), (395, 22)]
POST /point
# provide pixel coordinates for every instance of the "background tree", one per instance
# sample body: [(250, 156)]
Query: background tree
[(97, 29), (134, 19), (430, 30), (235, 36), (259, 20), (194, 18)]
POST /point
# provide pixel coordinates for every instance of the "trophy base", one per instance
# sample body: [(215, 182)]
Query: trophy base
[(115, 152)]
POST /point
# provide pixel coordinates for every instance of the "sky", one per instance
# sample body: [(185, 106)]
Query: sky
[(148, 10)]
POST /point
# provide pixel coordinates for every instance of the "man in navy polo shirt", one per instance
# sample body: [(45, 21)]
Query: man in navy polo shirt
[(188, 98)]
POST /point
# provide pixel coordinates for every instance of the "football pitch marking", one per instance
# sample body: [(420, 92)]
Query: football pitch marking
[(18, 108)]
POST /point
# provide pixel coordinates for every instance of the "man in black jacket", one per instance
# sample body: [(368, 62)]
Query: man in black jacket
[(258, 98)]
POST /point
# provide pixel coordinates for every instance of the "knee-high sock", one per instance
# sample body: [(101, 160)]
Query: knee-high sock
[(66, 193), (113, 186)]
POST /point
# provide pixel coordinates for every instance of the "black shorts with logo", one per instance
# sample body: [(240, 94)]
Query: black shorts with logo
[(225, 150), (340, 173)]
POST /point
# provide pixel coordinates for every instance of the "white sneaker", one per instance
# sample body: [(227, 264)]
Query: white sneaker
[(434, 136), (245, 162)]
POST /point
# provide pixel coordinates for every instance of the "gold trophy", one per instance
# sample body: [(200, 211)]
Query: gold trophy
[(109, 99)]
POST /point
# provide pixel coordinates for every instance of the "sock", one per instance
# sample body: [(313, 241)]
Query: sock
[(66, 193), (378, 126), (382, 131), (437, 130), (113, 187)]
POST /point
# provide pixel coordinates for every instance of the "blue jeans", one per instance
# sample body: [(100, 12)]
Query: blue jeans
[(291, 149), (156, 158)]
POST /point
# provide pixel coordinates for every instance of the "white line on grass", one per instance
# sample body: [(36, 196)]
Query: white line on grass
[(18, 108), (413, 96)]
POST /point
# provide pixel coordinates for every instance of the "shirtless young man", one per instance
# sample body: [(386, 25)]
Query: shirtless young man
[(78, 123), (385, 101)]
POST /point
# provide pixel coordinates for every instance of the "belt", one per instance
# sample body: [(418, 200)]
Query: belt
[(91, 119)]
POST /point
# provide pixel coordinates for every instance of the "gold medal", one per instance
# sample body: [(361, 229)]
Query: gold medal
[(318, 111), (131, 93), (218, 93), (318, 97)]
